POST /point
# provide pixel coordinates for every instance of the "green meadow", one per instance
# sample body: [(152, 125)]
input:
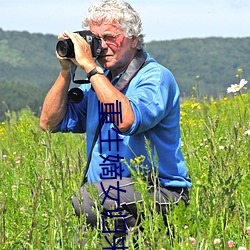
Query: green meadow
[(40, 172)]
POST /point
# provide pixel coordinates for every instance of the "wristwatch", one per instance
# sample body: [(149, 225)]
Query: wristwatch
[(96, 70)]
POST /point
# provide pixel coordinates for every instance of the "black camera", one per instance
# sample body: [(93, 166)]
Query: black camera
[(65, 48)]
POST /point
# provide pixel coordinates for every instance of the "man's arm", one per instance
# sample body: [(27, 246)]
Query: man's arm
[(55, 103), (105, 91)]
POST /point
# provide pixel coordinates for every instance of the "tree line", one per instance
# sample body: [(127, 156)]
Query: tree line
[(202, 67)]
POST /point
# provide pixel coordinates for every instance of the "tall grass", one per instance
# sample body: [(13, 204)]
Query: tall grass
[(40, 172)]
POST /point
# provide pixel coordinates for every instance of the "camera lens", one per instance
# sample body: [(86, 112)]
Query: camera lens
[(75, 95), (65, 48)]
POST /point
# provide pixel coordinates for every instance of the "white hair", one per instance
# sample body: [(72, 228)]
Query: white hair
[(120, 13)]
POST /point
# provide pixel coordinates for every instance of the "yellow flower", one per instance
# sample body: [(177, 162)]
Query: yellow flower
[(240, 70), (137, 159), (195, 105), (132, 162)]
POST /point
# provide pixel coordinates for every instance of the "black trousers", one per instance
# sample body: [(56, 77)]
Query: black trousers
[(112, 195)]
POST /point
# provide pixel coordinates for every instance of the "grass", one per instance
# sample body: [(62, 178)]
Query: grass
[(40, 172)]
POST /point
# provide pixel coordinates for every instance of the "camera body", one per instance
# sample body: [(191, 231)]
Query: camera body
[(65, 48)]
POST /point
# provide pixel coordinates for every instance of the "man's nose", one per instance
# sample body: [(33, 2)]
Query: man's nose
[(104, 44)]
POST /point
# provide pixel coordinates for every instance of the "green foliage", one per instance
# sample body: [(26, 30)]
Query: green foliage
[(37, 181), (28, 58), (208, 62), (40, 172), (28, 68), (14, 95)]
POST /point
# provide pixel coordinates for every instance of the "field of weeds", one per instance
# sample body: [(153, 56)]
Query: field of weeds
[(40, 172)]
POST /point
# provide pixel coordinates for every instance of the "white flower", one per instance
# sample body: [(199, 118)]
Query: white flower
[(237, 87), (192, 240), (242, 248), (246, 133), (217, 241)]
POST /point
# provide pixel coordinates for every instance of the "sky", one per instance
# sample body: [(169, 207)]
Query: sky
[(162, 19)]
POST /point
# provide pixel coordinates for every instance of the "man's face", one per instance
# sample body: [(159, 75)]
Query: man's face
[(118, 50)]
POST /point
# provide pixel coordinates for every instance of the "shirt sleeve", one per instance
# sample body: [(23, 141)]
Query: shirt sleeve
[(152, 98)]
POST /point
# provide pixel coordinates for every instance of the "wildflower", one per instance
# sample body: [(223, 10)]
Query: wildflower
[(138, 160), (22, 210), (192, 240), (216, 241), (248, 230), (247, 133), (230, 244), (132, 162), (221, 147), (237, 87), (14, 188), (242, 248), (45, 216), (195, 106), (198, 182), (240, 70)]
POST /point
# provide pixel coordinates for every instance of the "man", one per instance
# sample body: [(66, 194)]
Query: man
[(145, 97)]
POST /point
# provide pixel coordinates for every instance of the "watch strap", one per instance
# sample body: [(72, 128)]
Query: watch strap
[(93, 72)]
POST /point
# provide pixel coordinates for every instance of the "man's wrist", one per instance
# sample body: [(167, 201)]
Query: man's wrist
[(65, 73), (97, 70)]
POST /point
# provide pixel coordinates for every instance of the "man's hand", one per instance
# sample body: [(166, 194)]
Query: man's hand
[(66, 63), (83, 54)]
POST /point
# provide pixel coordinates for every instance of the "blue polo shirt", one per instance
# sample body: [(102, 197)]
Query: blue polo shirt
[(154, 97)]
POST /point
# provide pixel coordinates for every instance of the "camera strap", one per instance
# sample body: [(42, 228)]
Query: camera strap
[(136, 64)]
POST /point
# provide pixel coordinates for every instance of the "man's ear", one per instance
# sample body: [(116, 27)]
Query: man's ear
[(134, 42)]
